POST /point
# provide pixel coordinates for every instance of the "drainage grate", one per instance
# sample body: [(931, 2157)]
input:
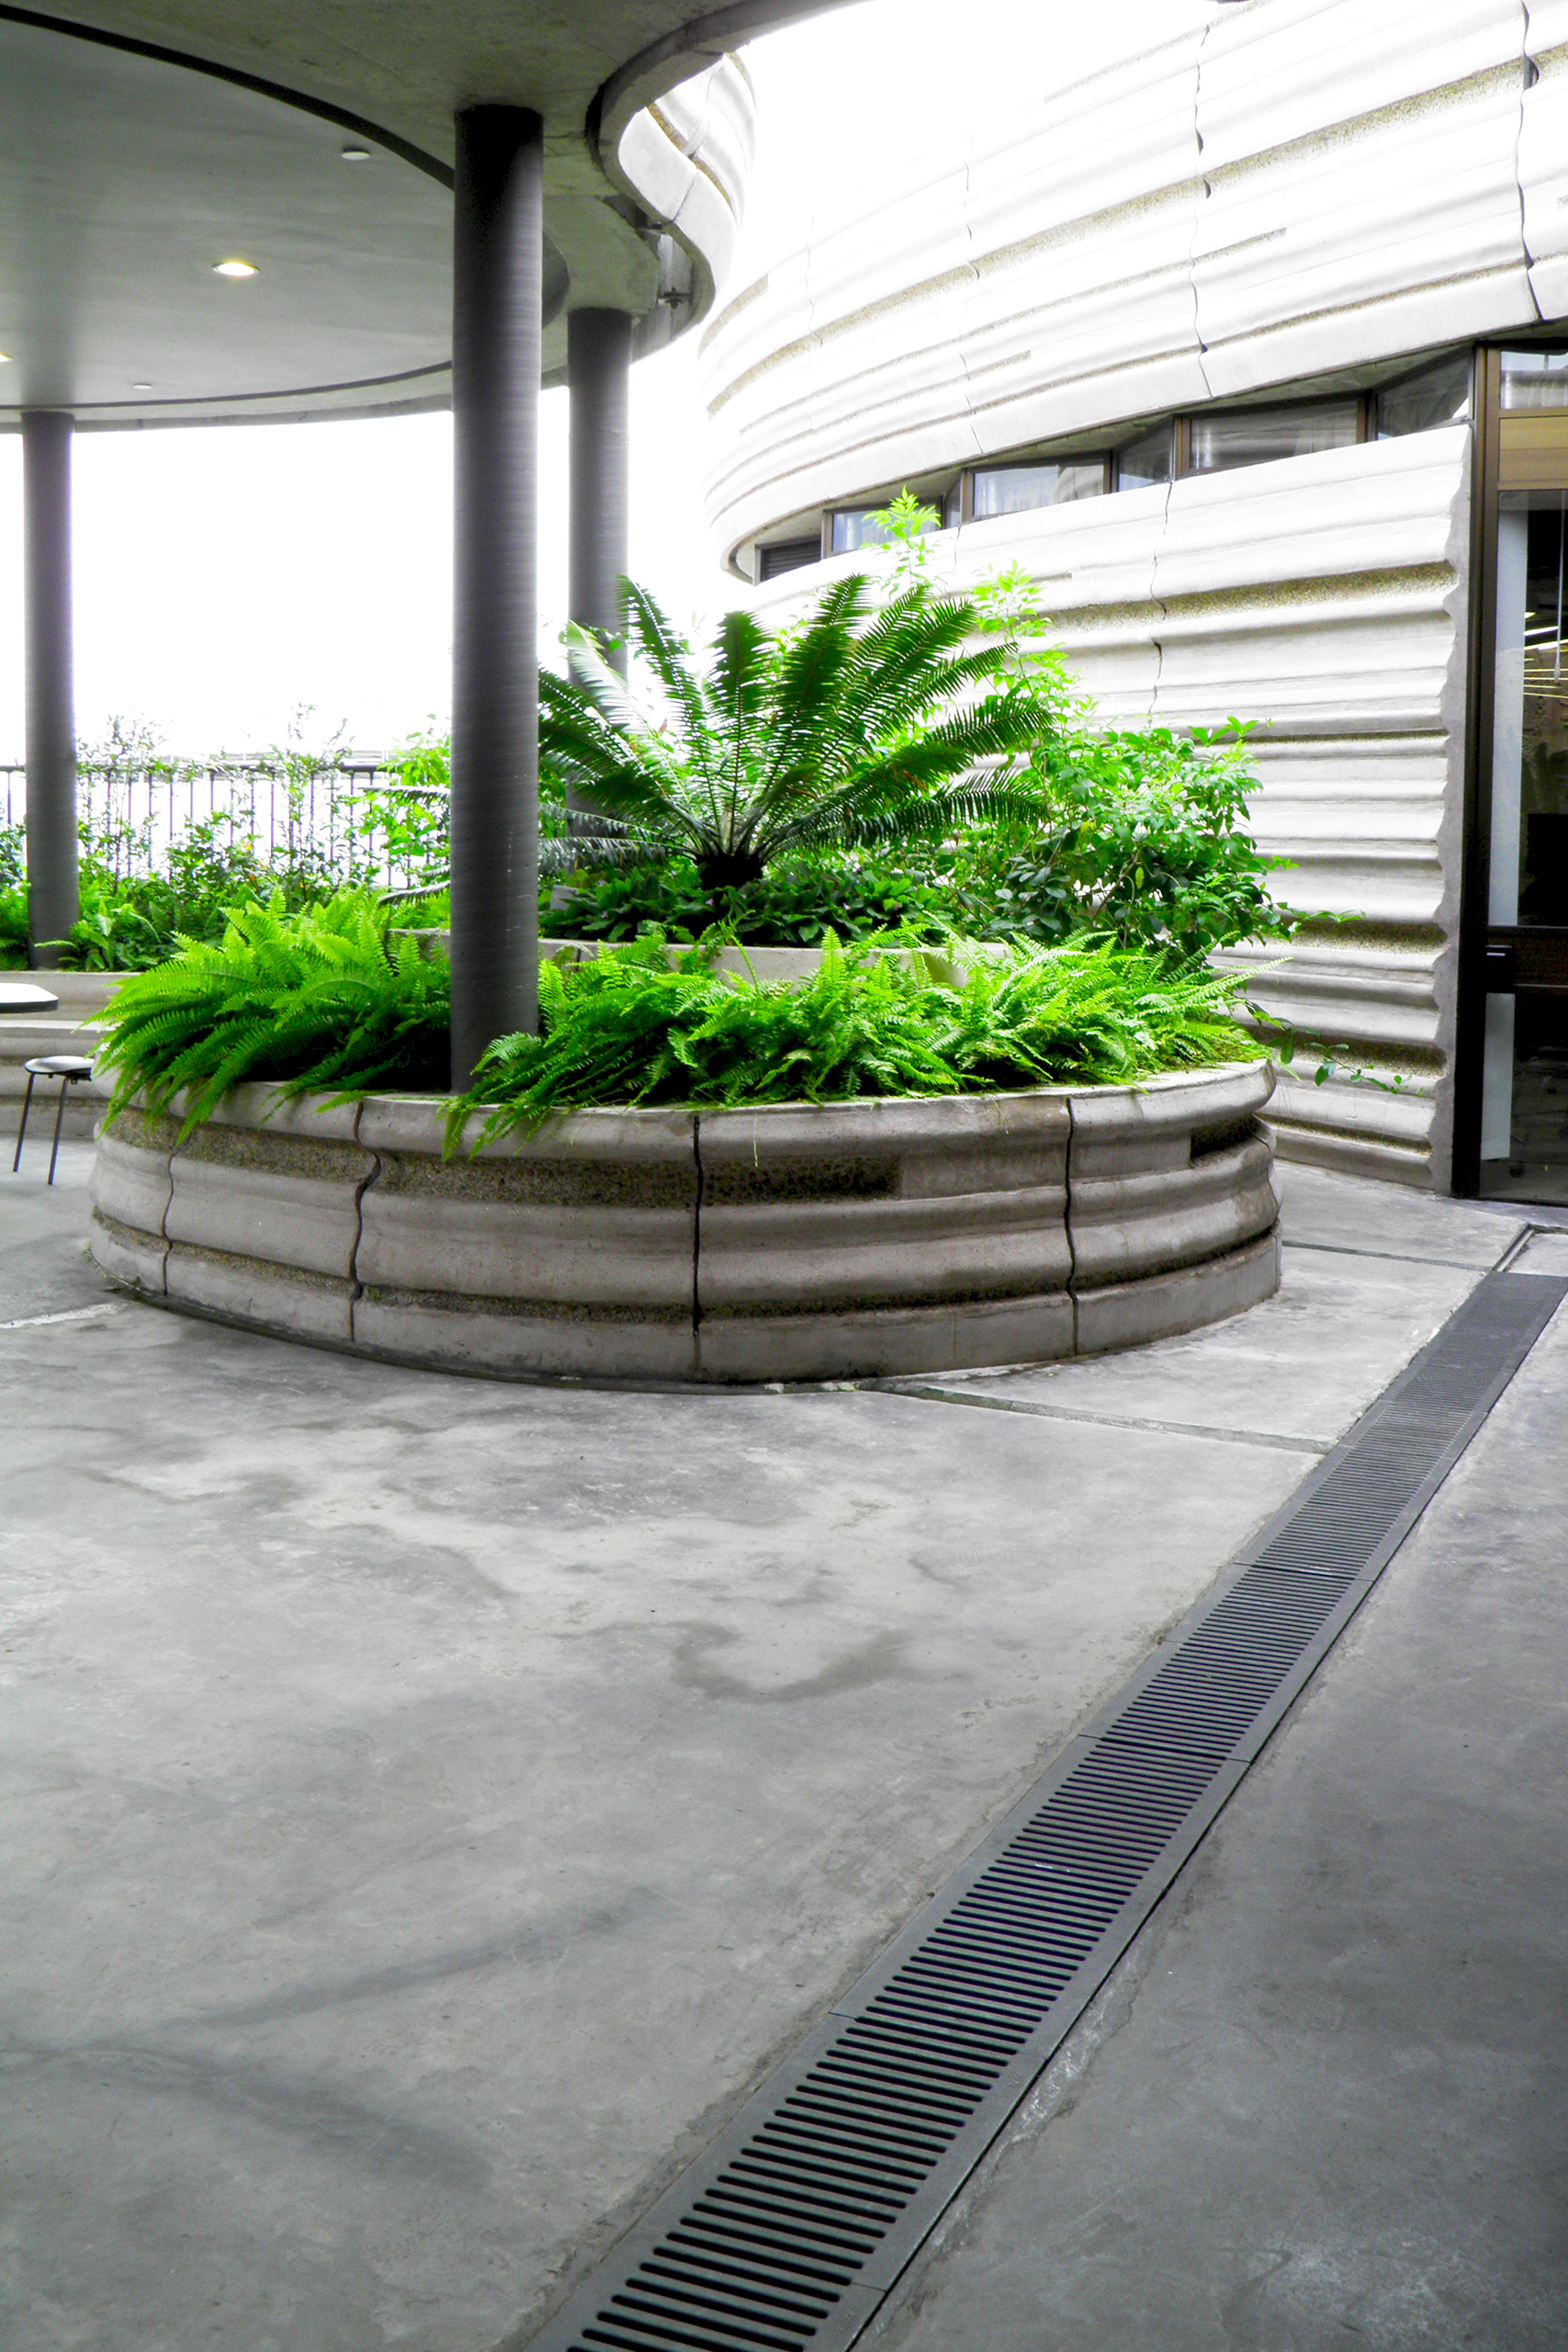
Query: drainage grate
[(789, 2230)]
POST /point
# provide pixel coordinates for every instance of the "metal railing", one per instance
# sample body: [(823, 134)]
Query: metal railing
[(297, 810)]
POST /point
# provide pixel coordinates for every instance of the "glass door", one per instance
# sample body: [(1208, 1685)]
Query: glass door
[(1524, 1101)]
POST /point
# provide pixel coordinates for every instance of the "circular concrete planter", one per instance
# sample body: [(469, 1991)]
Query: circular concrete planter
[(791, 1243)]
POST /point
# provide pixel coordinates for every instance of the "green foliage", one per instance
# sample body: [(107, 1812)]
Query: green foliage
[(627, 1028), (135, 909), (13, 897), (906, 526), (1139, 836), (867, 723), (412, 810), (1142, 834), (797, 903), (13, 857), (308, 998), (131, 923)]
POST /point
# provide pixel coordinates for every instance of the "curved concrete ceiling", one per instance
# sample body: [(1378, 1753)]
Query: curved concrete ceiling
[(141, 144), (126, 181)]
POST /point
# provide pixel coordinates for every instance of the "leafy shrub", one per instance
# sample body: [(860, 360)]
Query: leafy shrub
[(626, 1028), (308, 998), (1142, 834), (794, 904)]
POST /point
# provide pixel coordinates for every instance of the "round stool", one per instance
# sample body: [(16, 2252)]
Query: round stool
[(69, 1069)]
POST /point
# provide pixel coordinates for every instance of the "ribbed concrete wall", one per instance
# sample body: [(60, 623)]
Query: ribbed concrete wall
[(1303, 186), (1328, 592)]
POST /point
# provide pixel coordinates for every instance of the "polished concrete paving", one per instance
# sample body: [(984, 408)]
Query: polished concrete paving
[(432, 1803)]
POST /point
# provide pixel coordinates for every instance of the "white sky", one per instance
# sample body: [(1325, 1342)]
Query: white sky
[(226, 577)]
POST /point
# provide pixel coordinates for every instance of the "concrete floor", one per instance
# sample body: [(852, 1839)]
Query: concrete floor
[(431, 1804), (1324, 2101)]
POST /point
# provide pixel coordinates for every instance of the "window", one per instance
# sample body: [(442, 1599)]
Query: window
[(1142, 463), (1525, 1051), (1439, 394), (787, 555), (1015, 489), (852, 527), (1535, 379), (1252, 436)]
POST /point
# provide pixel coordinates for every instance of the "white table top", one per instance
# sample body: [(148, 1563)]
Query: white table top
[(24, 996)]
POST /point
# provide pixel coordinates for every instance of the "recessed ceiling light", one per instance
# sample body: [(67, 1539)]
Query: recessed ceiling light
[(357, 154), (235, 268), (141, 387), (4, 360)]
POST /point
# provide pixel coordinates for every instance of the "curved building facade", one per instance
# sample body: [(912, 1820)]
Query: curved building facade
[(1254, 350)]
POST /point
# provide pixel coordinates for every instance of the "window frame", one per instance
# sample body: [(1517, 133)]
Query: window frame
[(1104, 457), (1490, 470), (1185, 470), (936, 500), (1174, 427)]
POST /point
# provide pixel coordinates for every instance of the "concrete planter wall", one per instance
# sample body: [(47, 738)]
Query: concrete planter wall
[(791, 1243)]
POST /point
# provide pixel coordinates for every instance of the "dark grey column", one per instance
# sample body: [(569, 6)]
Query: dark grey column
[(54, 902), (598, 366), (498, 285)]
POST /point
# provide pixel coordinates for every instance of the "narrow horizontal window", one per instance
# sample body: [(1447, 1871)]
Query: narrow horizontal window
[(857, 526), (1535, 379), (1142, 463), (1014, 489), (1431, 396), (787, 555), (1252, 436)]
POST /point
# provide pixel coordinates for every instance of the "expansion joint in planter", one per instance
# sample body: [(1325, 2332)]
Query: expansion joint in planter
[(697, 1224), (356, 1288), (1068, 1220)]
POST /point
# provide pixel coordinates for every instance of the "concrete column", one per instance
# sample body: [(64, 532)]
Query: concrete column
[(598, 362), (498, 287), (52, 890)]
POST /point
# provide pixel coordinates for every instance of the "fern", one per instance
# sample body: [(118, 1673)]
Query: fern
[(310, 1000), (627, 1029), (313, 1003)]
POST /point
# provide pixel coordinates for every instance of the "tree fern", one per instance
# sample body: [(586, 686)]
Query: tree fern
[(868, 721)]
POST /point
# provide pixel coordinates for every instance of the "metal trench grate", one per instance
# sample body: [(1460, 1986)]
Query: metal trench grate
[(787, 2233)]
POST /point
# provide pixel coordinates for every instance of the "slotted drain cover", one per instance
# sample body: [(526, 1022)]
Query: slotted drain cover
[(789, 2230)]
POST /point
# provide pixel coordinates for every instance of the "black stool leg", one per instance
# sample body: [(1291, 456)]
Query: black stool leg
[(59, 1116), (22, 1130)]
